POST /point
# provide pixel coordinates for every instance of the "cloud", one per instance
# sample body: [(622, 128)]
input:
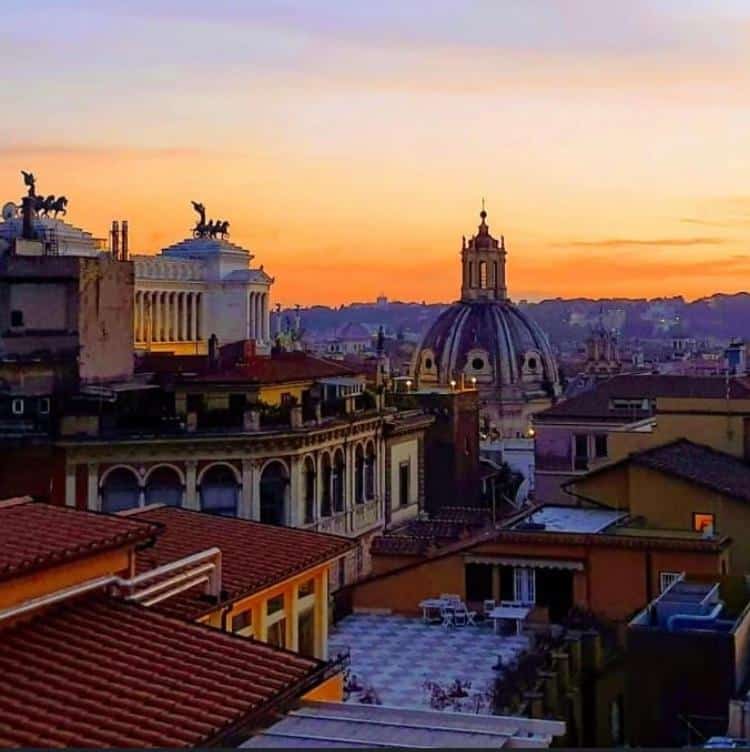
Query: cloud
[(62, 150), (648, 242)]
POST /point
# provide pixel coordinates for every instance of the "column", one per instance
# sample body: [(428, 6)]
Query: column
[(258, 327), (250, 317), (70, 485), (293, 512), (183, 317), (291, 606), (92, 500), (194, 317), (191, 487), (321, 615), (246, 499), (255, 489), (136, 322), (157, 317), (496, 583), (173, 318), (199, 315)]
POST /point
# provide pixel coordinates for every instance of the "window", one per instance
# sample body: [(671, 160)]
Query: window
[(242, 624), (237, 403), (194, 403), (581, 451), (306, 588), (370, 473), (44, 406), (477, 364), (666, 579), (306, 632), (524, 584), (703, 522), (404, 482), (600, 445), (428, 363), (531, 363), (274, 605), (277, 634), (17, 406), (287, 399), (16, 318), (483, 274)]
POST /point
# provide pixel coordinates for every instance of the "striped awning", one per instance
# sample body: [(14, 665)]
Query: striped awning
[(517, 561)]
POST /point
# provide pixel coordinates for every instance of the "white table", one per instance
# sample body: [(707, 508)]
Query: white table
[(515, 613), (429, 606)]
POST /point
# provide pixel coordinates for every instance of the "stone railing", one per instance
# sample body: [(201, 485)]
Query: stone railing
[(366, 515)]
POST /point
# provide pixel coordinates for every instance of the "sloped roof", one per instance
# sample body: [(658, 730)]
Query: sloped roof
[(35, 535), (699, 464), (596, 403), (254, 555), (104, 673)]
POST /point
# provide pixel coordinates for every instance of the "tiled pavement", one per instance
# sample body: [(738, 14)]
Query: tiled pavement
[(396, 655)]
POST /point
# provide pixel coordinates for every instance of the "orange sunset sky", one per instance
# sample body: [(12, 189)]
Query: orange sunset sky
[(350, 144)]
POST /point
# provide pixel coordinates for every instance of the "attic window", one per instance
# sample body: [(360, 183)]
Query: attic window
[(428, 363)]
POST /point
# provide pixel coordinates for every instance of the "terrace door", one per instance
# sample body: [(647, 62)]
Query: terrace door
[(524, 584)]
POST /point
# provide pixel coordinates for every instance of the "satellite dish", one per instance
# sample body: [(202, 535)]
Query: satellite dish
[(10, 211)]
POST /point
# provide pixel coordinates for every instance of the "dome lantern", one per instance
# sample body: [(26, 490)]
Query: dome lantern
[(483, 265)]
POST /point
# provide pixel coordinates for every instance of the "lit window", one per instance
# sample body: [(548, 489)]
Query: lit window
[(44, 406), (16, 406), (703, 522)]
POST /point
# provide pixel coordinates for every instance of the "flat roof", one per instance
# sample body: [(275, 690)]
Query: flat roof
[(337, 725), (568, 519)]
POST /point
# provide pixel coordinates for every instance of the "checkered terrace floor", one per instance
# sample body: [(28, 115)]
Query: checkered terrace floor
[(396, 655)]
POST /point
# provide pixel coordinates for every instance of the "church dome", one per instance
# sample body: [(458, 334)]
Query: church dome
[(491, 341), (485, 340)]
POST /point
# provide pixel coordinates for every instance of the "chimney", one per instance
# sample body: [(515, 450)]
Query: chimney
[(115, 235), (125, 240), (213, 352)]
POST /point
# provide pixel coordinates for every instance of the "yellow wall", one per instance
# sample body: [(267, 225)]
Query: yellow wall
[(271, 395), (668, 503), (331, 690), (52, 579), (716, 423)]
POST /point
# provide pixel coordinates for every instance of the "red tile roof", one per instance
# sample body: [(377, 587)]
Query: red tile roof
[(104, 673), (254, 556), (597, 402), (33, 535), (278, 369)]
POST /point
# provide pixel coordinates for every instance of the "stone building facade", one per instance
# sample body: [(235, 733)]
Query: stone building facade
[(195, 289)]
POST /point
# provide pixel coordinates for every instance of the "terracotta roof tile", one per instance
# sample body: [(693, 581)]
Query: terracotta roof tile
[(105, 673), (33, 535), (254, 555)]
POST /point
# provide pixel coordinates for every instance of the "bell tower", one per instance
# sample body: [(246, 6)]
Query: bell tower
[(483, 264)]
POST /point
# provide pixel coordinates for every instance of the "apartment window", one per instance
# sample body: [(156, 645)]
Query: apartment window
[(404, 482), (277, 634), (667, 578), (704, 522), (306, 588), (600, 445), (242, 624), (274, 605), (17, 406), (580, 451), (16, 318), (287, 399), (44, 406)]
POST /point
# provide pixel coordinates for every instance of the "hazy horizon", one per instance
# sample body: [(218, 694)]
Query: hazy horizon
[(350, 146)]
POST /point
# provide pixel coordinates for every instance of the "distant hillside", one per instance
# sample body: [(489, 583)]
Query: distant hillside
[(719, 317)]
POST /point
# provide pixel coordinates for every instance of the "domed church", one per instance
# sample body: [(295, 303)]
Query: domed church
[(485, 340)]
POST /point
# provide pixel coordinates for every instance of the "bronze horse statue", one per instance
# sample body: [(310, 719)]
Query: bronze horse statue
[(43, 205), (210, 229)]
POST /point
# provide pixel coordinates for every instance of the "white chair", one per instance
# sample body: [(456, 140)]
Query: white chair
[(450, 598), (448, 617), (464, 617)]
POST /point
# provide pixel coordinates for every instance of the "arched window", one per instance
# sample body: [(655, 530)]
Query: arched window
[(120, 490), (219, 491), (370, 472), (483, 274), (359, 476), (338, 482), (163, 486), (471, 274), (273, 484), (494, 273), (325, 499), (309, 473)]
